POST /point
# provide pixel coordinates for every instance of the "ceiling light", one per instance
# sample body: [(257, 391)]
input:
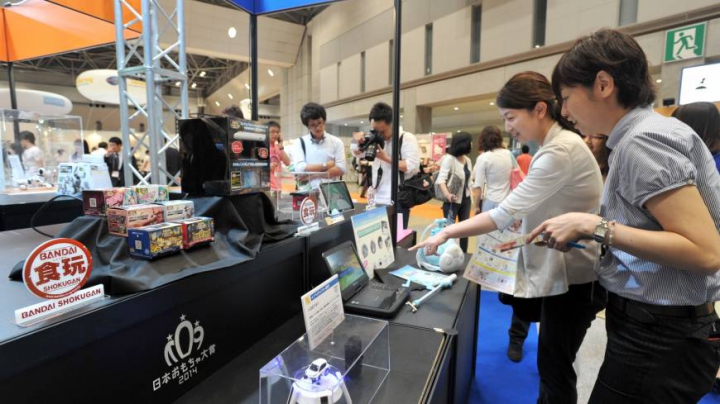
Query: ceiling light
[(177, 84), (247, 86), (458, 131), (457, 108), (658, 81), (271, 73), (345, 124), (217, 103), (362, 122), (230, 96), (232, 32), (203, 73), (401, 116), (492, 102), (537, 46), (194, 85)]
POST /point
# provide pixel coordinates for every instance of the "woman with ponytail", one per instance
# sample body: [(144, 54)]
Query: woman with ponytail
[(563, 177)]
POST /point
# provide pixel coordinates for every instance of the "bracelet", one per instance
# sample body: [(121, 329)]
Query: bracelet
[(611, 233)]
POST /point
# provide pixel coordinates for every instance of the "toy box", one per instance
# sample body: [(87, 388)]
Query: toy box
[(151, 193), (154, 241), (197, 231), (97, 201), (177, 210), (131, 217), (224, 156)]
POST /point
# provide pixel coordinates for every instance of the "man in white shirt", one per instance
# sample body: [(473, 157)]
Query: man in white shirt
[(33, 158), (318, 151), (381, 118)]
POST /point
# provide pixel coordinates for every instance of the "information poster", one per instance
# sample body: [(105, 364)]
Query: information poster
[(439, 143), (492, 268), (373, 239), (322, 311)]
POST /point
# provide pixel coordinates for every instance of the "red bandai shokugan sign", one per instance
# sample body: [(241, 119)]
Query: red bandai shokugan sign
[(57, 268), (236, 147)]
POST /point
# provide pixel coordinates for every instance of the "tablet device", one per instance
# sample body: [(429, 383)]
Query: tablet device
[(336, 197)]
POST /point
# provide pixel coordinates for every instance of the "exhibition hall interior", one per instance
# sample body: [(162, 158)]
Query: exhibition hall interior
[(360, 201)]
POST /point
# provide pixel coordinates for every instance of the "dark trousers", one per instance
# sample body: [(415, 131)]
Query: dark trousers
[(461, 211), (657, 359), (564, 320), (405, 212), (518, 331)]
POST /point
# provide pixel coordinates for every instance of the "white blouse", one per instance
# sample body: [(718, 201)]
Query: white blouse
[(450, 163), (563, 177), (492, 169)]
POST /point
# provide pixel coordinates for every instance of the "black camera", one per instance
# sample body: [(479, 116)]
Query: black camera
[(370, 144)]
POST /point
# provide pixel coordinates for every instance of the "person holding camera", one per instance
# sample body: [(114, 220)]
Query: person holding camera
[(377, 147), (318, 151)]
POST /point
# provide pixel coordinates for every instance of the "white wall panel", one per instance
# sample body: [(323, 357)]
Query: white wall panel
[(377, 67), (570, 19), (349, 80), (506, 28), (451, 41)]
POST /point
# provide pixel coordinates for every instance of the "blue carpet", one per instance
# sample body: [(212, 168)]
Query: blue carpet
[(497, 379)]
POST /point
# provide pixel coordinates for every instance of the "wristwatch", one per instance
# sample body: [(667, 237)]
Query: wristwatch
[(324, 166), (601, 231)]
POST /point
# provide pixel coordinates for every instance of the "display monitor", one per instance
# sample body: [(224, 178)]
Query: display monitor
[(343, 261), (700, 83), (336, 197)]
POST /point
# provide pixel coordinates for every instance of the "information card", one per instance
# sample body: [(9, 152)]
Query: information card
[(373, 239), (322, 311), (491, 267)]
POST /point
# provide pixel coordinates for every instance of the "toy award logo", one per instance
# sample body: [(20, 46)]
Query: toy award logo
[(184, 353)]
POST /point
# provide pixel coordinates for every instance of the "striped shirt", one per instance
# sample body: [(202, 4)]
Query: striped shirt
[(651, 155)]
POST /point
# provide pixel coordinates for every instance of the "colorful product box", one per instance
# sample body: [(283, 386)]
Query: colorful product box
[(151, 193), (154, 241), (97, 201), (197, 231), (131, 217), (177, 210)]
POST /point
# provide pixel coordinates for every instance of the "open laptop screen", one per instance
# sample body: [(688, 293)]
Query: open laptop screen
[(343, 261)]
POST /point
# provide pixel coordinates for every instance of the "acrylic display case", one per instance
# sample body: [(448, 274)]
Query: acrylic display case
[(29, 174), (293, 187), (348, 367)]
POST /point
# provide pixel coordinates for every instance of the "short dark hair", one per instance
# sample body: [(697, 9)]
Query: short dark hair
[(103, 145), (273, 124), (611, 51), (524, 90), (312, 110), (233, 111), (704, 119), (27, 135), (115, 140), (491, 138), (525, 149), (381, 112), (460, 144)]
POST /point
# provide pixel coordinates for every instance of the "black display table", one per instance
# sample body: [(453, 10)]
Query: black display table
[(154, 346), (432, 352)]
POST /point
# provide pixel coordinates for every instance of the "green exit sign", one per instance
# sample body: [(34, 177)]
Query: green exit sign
[(685, 42)]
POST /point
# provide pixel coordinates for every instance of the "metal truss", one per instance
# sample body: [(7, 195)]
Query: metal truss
[(157, 66)]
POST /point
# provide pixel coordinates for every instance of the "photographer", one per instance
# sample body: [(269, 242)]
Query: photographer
[(318, 151), (380, 140)]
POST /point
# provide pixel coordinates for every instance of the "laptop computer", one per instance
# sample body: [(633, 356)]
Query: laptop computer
[(359, 294)]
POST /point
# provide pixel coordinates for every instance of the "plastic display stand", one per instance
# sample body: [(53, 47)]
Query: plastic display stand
[(294, 189), (347, 368)]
